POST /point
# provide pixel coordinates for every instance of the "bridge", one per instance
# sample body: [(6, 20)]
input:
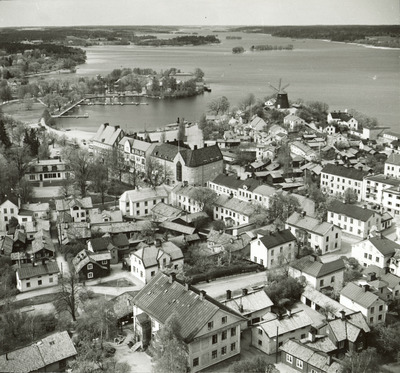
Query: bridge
[(67, 110)]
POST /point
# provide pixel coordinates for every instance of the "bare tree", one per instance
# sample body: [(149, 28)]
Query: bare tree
[(156, 173)]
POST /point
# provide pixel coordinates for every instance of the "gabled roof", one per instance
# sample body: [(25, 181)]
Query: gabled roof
[(164, 211), (35, 357), (384, 245), (29, 270), (143, 194), (316, 268), (150, 254), (271, 323), (273, 239), (7, 245), (123, 304), (84, 257), (394, 158), (120, 240), (352, 211), (251, 302), (42, 240), (310, 356), (258, 123), (99, 244), (358, 295), (342, 171), (107, 134), (161, 298), (66, 204), (309, 223), (234, 204), (177, 227), (391, 279)]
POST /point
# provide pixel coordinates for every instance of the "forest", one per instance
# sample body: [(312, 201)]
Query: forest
[(181, 40)]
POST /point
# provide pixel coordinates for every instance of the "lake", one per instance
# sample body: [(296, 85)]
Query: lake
[(344, 76)]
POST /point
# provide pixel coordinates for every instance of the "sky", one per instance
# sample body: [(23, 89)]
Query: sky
[(14, 13)]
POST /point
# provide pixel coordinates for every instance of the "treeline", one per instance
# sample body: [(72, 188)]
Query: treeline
[(181, 40), (268, 47), (233, 38), (237, 50), (334, 33)]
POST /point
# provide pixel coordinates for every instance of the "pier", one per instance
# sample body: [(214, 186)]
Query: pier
[(70, 108)]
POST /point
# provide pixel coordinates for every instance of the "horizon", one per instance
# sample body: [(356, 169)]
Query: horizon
[(202, 13)]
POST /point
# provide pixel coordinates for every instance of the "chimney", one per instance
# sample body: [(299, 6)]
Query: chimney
[(365, 288), (172, 277), (364, 206), (329, 360), (289, 313), (313, 258), (241, 308), (311, 335), (342, 315), (195, 147), (228, 294), (387, 270), (244, 291), (187, 286), (157, 242), (303, 214), (116, 127), (105, 125), (371, 276), (202, 294)]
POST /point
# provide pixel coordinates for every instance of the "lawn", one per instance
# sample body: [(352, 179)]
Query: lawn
[(122, 282), (40, 299), (18, 111)]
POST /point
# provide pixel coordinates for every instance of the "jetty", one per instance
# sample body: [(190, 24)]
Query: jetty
[(70, 108)]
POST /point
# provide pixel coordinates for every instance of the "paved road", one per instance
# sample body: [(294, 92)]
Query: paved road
[(219, 287)]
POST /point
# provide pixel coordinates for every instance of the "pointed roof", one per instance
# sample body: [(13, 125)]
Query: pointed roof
[(358, 295), (162, 297)]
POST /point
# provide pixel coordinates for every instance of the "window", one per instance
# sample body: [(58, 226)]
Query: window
[(332, 279), (371, 320), (90, 266), (272, 252), (39, 282), (260, 342), (255, 259), (299, 364), (214, 354), (137, 204), (370, 257), (28, 284), (260, 331), (51, 279), (195, 361), (365, 255), (224, 320), (302, 336), (141, 273), (224, 335), (380, 307), (377, 259), (145, 203), (321, 283), (104, 262), (90, 275), (152, 274), (179, 171), (214, 339), (289, 359), (223, 350), (233, 332), (233, 346), (261, 261), (210, 325)]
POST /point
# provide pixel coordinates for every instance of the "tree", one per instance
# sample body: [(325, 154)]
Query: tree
[(219, 105), (4, 138), (114, 160), (283, 287), (167, 348), (205, 198), (363, 120), (387, 339), (350, 196), (365, 361), (284, 159), (25, 190), (28, 101), (281, 206), (257, 365), (156, 173), (68, 297), (199, 74), (19, 158), (100, 180), (80, 162), (67, 186)]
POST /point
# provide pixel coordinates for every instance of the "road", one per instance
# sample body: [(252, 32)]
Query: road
[(218, 288)]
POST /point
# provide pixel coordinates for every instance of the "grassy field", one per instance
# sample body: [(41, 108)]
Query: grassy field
[(18, 111), (118, 283)]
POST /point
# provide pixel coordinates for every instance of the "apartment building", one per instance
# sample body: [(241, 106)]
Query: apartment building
[(391, 200), (336, 179), (183, 196), (139, 202), (233, 211), (315, 233), (135, 152), (374, 185), (272, 249), (374, 251), (107, 138), (392, 166), (229, 185), (358, 221), (343, 118), (360, 298), (210, 330)]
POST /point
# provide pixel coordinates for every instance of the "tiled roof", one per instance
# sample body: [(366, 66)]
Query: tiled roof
[(358, 295), (383, 179), (66, 204), (7, 245), (29, 270), (310, 356), (251, 302), (309, 223), (342, 171), (99, 244), (143, 194), (340, 115), (177, 227), (160, 299), (273, 239), (120, 240), (150, 254), (352, 211), (123, 304), (258, 123), (36, 206), (384, 245), (234, 204), (42, 240), (391, 279), (107, 134), (297, 320), (264, 190), (49, 350), (394, 158), (316, 268)]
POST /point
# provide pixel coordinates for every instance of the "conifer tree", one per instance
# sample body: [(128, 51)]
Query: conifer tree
[(4, 139)]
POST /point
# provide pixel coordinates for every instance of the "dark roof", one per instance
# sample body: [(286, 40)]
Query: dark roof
[(28, 270), (192, 158), (230, 181), (277, 238), (316, 268), (161, 298), (7, 245), (120, 240), (348, 172), (49, 350), (351, 211), (99, 243), (13, 199), (384, 245), (343, 116)]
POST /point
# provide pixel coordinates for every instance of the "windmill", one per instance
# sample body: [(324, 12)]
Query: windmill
[(282, 101)]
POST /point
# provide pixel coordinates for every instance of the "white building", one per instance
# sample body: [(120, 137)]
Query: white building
[(336, 179), (135, 152), (374, 185), (315, 233), (358, 221), (343, 118), (33, 276), (374, 251), (47, 170), (139, 202), (107, 138), (272, 249), (391, 200), (77, 208), (360, 298), (184, 197), (392, 166), (233, 211), (150, 259), (8, 210)]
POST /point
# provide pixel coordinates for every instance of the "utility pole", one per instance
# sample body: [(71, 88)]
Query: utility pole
[(277, 345)]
